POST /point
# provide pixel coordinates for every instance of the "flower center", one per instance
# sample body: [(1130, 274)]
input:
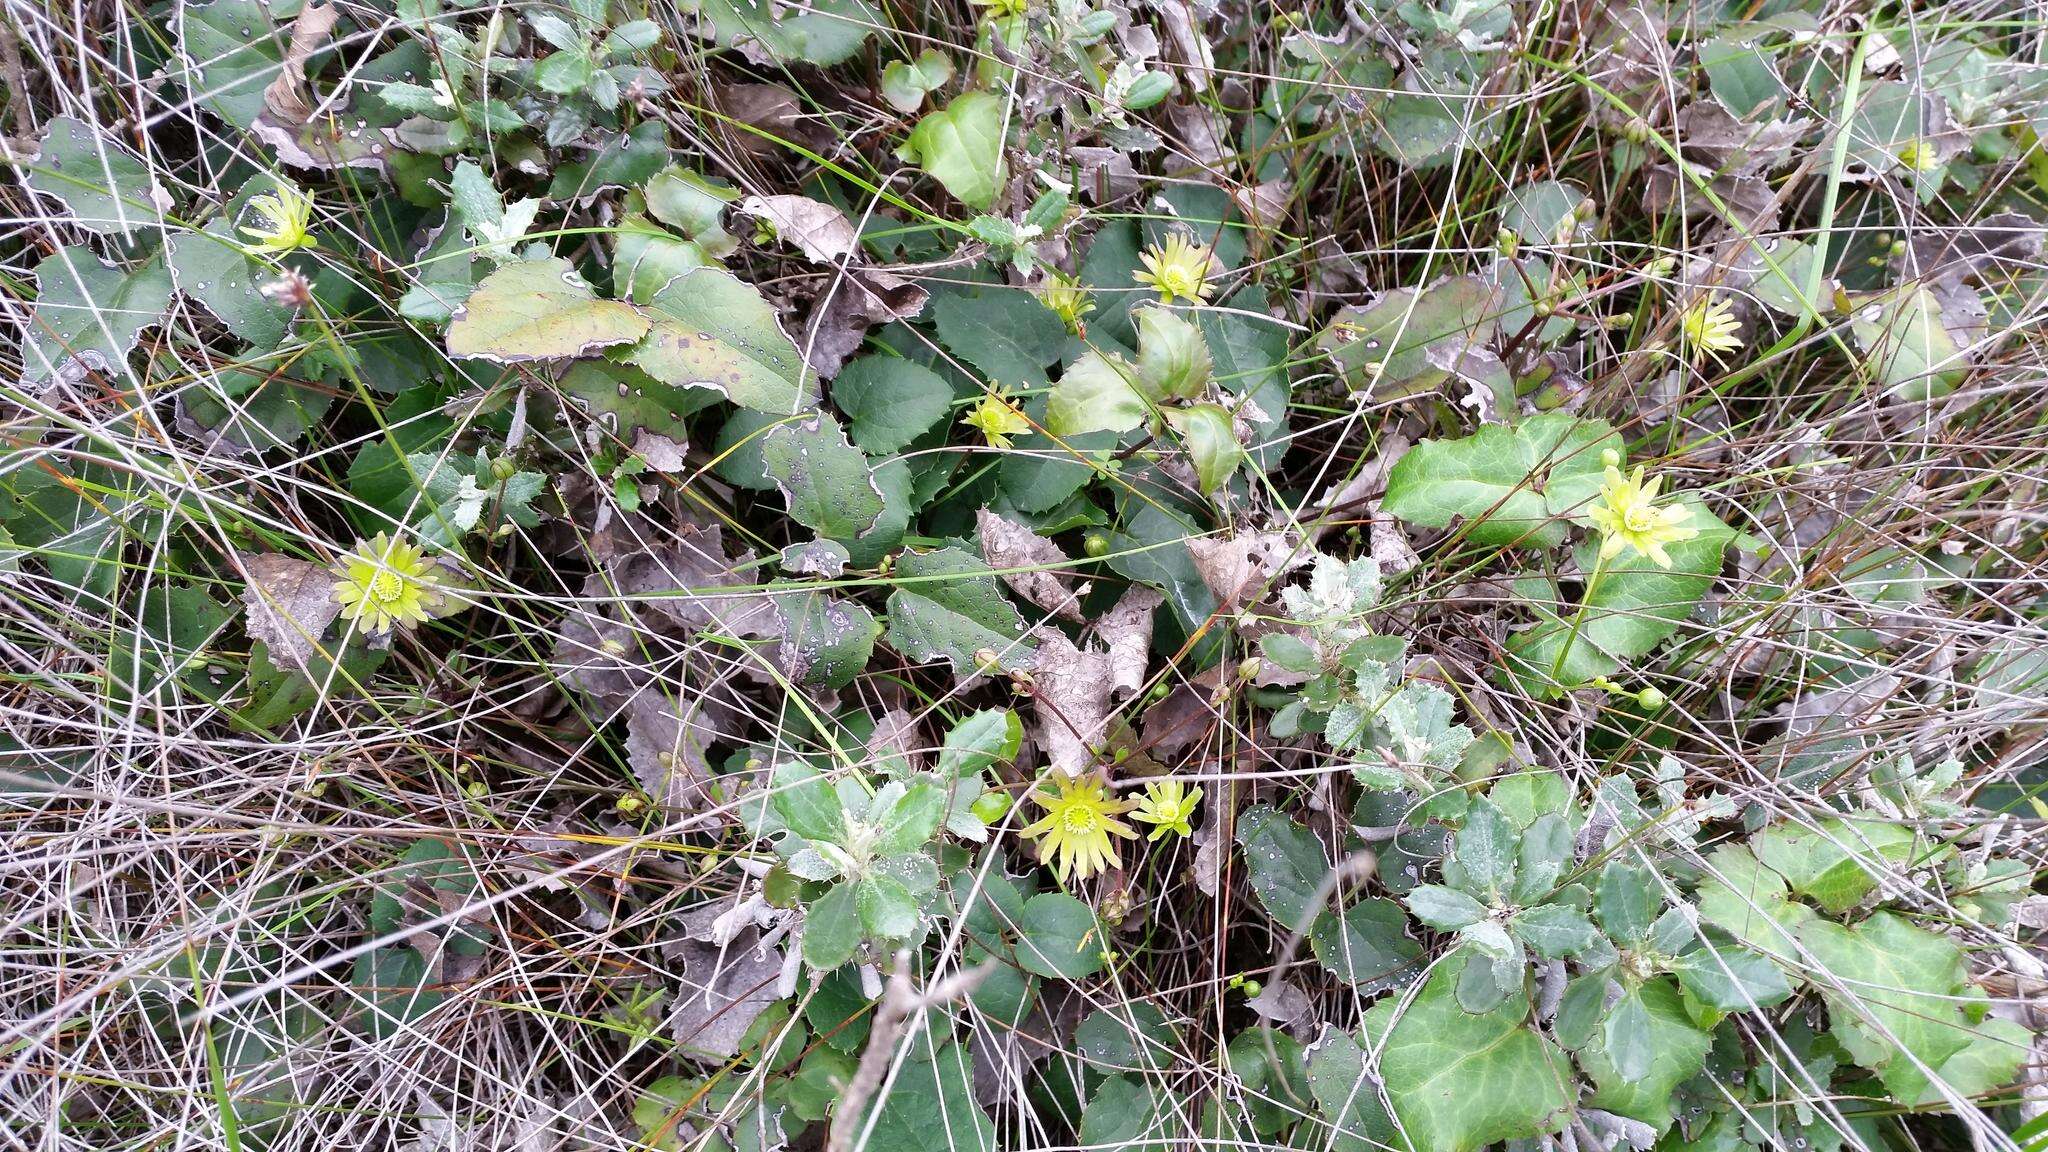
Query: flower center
[(1639, 518), (1078, 820), (386, 586)]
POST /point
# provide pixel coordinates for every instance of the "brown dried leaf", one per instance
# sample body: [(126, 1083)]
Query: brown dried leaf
[(669, 741), (290, 603), (857, 299), (286, 98), (1127, 629), (821, 232), (1241, 569), (1070, 701), (723, 987), (1007, 544)]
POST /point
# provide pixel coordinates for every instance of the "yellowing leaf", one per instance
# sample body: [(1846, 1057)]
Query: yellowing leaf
[(539, 310)]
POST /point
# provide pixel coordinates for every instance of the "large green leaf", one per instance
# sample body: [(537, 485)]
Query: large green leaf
[(823, 32), (1409, 339), (90, 313), (1002, 331), (889, 401), (930, 1105), (961, 145), (1751, 902), (1458, 1080), (1286, 862), (1367, 945), (1511, 484), (1097, 393), (539, 310), (1834, 862), (1665, 1045), (104, 186), (1896, 995), (210, 267), (1635, 606), (1057, 936), (826, 640), (1912, 340), (713, 330), (826, 480), (946, 605)]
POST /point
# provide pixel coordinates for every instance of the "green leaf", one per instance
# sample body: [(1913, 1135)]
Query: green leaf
[(1444, 908), (1892, 989), (209, 267), (1554, 931), (1406, 341), (229, 51), (1096, 393), (827, 481), (832, 928), (1287, 865), (822, 32), (625, 400), (1651, 1047), (1635, 606), (1347, 1097), (104, 186), (1909, 340), (1750, 902), (1458, 1080), (905, 83), (826, 640), (807, 803), (887, 909), (1005, 332), (394, 988), (946, 604), (930, 1105), (1629, 901), (90, 314), (1835, 862), (1732, 979), (625, 160), (1512, 485), (984, 739), (1058, 937), (889, 401), (1485, 857), (1131, 1116), (713, 330), (539, 310), (1367, 945), (1209, 436), (1173, 356), (912, 820), (961, 146)]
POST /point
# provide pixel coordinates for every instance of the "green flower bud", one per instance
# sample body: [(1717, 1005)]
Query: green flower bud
[(1095, 545)]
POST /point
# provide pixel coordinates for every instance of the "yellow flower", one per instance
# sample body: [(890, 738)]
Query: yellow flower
[(1079, 820), (386, 582), (1003, 9), (997, 419), (1168, 805), (1919, 155), (1627, 516), (1067, 300), (1710, 326), (286, 215), (1180, 270)]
